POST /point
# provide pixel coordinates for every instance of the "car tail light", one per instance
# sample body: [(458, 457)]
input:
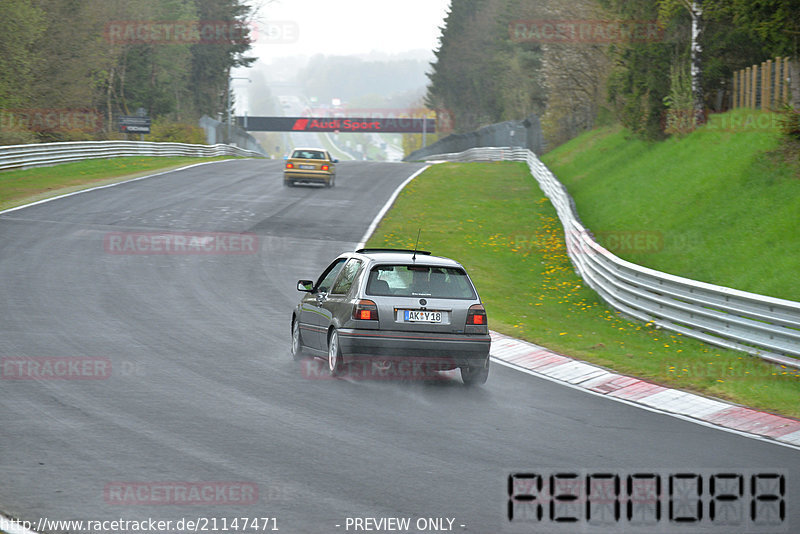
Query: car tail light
[(476, 315), (365, 310), (325, 167), (290, 165)]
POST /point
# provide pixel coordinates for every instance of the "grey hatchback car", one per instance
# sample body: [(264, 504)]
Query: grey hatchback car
[(390, 307)]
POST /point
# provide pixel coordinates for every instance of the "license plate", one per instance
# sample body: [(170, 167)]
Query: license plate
[(306, 166), (416, 316)]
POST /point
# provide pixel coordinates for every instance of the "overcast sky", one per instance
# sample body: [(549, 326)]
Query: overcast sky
[(291, 28), (344, 27)]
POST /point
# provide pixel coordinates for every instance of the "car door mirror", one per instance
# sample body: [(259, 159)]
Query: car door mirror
[(335, 160), (307, 286)]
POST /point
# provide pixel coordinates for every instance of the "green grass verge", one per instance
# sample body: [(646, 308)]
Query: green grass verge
[(18, 187), (494, 219), (720, 205)]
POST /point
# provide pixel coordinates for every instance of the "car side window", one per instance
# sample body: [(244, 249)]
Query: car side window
[(345, 281), (330, 274)]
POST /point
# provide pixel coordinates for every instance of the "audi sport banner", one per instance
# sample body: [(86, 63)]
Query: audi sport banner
[(338, 124)]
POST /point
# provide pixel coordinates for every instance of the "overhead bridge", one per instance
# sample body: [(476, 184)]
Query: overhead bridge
[(337, 124)]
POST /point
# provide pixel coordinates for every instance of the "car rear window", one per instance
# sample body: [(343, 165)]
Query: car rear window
[(308, 154), (419, 281)]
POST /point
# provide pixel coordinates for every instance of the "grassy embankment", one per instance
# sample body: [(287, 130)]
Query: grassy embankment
[(18, 187), (723, 201), (705, 195)]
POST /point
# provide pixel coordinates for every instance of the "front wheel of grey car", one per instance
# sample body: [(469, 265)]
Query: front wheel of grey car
[(475, 376), (334, 354), (297, 341)]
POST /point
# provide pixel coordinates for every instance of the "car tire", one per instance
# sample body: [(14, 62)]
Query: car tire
[(297, 341), (475, 376), (288, 183), (335, 364)]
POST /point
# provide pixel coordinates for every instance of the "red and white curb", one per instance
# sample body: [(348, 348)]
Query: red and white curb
[(546, 364)]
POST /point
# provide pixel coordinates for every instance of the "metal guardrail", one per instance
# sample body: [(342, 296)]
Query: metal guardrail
[(22, 156), (763, 326)]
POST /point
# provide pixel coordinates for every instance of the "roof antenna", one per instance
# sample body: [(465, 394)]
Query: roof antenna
[(414, 257)]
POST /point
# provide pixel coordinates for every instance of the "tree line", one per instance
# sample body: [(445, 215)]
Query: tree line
[(171, 58), (579, 63)]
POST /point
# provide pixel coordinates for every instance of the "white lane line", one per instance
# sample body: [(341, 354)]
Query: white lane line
[(793, 438)]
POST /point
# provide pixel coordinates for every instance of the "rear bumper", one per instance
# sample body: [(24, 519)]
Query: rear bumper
[(307, 176), (447, 350)]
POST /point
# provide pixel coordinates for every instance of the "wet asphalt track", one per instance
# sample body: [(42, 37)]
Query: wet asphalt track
[(203, 389)]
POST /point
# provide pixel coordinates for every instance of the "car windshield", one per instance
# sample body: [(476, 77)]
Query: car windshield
[(419, 281), (308, 154)]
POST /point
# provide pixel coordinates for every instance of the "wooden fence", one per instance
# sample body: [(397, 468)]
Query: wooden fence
[(766, 86)]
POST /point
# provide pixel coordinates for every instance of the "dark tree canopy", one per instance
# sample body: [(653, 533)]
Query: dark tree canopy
[(481, 75), (117, 56)]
